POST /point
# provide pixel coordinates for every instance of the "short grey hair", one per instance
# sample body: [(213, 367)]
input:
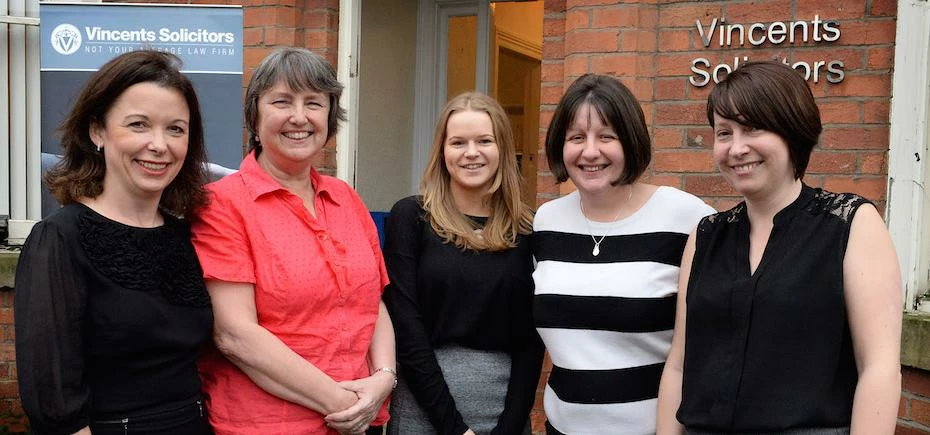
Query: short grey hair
[(301, 69)]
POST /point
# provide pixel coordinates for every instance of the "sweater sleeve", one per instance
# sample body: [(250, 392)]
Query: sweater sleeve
[(415, 356), (526, 358), (50, 300)]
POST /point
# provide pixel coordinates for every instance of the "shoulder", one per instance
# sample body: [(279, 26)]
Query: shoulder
[(60, 222), (722, 219), (63, 216), (409, 206), (340, 191), (230, 184), (682, 202), (556, 211), (228, 192), (841, 205)]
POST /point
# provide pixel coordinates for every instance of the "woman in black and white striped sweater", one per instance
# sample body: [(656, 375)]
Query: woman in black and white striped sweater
[(608, 260)]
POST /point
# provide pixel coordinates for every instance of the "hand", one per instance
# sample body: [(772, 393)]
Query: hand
[(469, 432), (372, 392)]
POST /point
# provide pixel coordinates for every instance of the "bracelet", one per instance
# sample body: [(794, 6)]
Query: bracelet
[(389, 370)]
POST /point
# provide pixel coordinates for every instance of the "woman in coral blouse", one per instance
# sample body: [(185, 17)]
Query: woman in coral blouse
[(292, 262)]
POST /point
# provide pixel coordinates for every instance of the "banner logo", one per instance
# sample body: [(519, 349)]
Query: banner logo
[(66, 39)]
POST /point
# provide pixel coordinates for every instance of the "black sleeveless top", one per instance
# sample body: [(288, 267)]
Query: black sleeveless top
[(770, 351)]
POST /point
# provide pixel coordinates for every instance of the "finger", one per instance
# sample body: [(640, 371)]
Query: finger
[(352, 385), (348, 414)]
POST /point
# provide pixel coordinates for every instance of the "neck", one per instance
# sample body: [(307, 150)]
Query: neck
[(610, 205), (128, 210), (471, 202), (294, 177), (764, 209)]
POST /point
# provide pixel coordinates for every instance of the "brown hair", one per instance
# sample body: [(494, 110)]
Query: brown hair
[(618, 108), (82, 168), (771, 96), (509, 215), (301, 69)]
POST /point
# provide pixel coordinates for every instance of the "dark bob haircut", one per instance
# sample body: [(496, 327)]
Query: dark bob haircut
[(774, 97), (301, 70), (82, 168), (618, 108)]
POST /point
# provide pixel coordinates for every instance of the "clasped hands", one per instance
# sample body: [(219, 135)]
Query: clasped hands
[(361, 403)]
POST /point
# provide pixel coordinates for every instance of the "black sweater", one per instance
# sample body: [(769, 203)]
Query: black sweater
[(440, 294)]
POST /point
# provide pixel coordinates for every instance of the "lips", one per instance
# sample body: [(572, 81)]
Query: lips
[(593, 168), (153, 166), (473, 166), (745, 167), (296, 135)]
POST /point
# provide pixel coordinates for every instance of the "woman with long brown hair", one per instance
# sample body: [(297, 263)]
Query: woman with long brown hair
[(111, 309), (460, 263)]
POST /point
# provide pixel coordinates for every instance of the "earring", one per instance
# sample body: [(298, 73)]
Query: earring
[(99, 148)]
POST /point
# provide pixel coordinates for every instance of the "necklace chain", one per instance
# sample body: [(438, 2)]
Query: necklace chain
[(597, 242)]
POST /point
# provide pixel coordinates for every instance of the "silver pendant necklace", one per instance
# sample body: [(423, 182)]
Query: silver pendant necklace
[(597, 242)]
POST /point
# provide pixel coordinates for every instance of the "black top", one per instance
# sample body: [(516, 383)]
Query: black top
[(770, 351), (109, 319), (440, 294)]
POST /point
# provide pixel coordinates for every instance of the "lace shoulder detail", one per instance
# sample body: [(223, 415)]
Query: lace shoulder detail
[(841, 205), (157, 259), (730, 216)]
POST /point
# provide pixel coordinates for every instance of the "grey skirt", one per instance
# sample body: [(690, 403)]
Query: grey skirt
[(803, 431), (477, 380)]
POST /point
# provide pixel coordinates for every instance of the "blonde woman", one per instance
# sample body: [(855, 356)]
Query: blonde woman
[(460, 264)]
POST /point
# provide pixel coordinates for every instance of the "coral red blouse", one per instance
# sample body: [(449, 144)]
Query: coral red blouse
[(318, 283)]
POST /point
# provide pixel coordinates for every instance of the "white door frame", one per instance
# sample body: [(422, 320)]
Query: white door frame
[(908, 197), (347, 73)]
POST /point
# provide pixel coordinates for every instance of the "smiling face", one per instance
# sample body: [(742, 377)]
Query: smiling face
[(755, 162), (292, 125), (144, 137), (592, 152), (470, 151)]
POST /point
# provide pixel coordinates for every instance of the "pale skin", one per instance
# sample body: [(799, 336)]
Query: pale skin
[(872, 290), (348, 406)]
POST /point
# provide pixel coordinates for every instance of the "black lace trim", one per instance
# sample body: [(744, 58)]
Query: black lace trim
[(841, 205), (816, 201), (146, 259)]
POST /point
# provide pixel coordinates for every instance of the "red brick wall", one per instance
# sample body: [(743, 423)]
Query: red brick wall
[(12, 417), (649, 45), (914, 410)]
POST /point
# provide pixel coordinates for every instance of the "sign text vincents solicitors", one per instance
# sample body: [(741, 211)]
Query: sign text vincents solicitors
[(794, 32)]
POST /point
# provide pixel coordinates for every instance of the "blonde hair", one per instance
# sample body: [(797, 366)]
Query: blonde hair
[(509, 215)]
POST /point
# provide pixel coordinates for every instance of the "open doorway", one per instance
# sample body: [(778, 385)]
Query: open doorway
[(416, 54)]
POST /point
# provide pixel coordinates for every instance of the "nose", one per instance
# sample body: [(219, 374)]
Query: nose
[(159, 142), (471, 151), (590, 151), (299, 114), (739, 146)]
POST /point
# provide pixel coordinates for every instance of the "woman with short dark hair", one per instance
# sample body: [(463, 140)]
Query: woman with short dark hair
[(789, 312), (111, 310), (608, 257), (293, 264)]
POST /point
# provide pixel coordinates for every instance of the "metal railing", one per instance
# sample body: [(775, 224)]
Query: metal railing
[(20, 129)]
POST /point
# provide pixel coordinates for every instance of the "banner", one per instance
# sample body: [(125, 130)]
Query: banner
[(76, 39)]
